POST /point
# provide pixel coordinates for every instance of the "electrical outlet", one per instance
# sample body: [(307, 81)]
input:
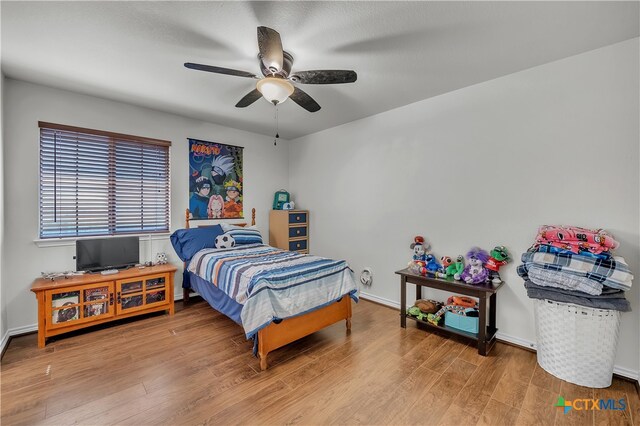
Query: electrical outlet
[(366, 276)]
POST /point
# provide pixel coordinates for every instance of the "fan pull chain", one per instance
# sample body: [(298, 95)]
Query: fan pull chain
[(277, 129)]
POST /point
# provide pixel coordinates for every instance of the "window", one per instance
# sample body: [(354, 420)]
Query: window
[(101, 183)]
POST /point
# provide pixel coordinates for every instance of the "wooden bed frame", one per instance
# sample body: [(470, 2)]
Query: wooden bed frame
[(274, 335)]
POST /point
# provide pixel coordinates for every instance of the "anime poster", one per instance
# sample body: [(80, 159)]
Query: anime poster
[(215, 180)]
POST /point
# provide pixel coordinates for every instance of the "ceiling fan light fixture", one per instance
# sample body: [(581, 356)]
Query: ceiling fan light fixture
[(275, 90)]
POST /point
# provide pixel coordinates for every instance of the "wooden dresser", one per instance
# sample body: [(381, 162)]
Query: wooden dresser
[(68, 304), (289, 230)]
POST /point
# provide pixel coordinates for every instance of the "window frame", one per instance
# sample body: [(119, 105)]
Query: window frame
[(70, 240)]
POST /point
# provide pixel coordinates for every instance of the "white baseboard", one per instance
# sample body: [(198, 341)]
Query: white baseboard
[(22, 330), (4, 341), (16, 332), (380, 300), (621, 371), (626, 372), (516, 341)]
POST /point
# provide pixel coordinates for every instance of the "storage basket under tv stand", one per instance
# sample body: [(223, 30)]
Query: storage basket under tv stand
[(69, 304)]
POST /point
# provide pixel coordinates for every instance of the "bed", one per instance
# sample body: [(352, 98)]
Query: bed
[(277, 296)]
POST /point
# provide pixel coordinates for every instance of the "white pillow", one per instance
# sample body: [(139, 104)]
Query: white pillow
[(226, 227)]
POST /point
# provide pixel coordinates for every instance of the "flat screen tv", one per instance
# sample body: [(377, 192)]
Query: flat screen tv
[(107, 253)]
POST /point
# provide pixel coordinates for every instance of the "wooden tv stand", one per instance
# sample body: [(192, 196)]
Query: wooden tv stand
[(68, 304)]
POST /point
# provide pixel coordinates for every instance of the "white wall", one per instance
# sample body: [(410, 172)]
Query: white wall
[(484, 165), (265, 171)]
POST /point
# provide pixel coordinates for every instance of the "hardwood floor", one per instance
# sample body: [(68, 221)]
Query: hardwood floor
[(197, 368)]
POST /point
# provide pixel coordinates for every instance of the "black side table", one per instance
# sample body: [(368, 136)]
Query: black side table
[(486, 293)]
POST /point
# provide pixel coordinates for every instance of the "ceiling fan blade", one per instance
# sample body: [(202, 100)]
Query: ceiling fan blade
[(270, 47), (325, 77), (219, 70), (304, 100), (249, 98)]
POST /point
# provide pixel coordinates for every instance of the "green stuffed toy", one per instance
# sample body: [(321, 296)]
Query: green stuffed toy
[(455, 269), (415, 312), (433, 319), (499, 257)]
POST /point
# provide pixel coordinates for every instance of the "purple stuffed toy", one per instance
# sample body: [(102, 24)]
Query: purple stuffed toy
[(475, 272)]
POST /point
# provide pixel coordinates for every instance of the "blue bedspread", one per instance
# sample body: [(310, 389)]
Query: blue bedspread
[(272, 283)]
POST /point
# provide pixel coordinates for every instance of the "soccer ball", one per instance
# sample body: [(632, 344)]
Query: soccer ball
[(225, 241)]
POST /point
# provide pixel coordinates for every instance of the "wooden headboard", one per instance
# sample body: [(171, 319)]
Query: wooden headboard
[(187, 218)]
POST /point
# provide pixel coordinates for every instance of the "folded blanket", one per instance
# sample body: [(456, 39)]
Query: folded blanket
[(574, 238), (574, 247), (544, 248), (612, 272), (607, 293), (559, 279), (618, 303)]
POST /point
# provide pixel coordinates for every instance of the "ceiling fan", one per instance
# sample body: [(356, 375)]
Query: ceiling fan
[(276, 85)]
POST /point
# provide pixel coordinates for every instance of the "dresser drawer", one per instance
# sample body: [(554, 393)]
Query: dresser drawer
[(297, 231), (297, 245), (289, 230), (300, 217)]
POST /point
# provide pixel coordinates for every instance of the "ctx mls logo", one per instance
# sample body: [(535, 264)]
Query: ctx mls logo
[(591, 404)]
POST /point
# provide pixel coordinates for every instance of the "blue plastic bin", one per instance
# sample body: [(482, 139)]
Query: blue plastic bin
[(461, 322)]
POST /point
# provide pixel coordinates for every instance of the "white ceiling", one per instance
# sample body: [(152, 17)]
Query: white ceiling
[(403, 52)]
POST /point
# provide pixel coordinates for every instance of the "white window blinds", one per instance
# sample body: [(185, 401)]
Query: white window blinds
[(101, 183)]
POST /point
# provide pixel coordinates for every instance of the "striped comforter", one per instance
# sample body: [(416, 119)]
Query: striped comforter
[(272, 283)]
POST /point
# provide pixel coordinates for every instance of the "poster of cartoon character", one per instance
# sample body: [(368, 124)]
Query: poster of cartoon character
[(215, 180)]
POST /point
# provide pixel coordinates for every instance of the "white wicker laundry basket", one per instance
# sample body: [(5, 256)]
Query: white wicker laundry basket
[(576, 343)]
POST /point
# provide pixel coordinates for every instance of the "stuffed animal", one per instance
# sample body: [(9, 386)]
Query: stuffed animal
[(416, 267), (446, 262), (455, 269), (434, 319), (161, 259), (418, 262), (428, 306), (414, 311), (464, 301), (499, 256), (475, 272), (432, 264), (419, 248)]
